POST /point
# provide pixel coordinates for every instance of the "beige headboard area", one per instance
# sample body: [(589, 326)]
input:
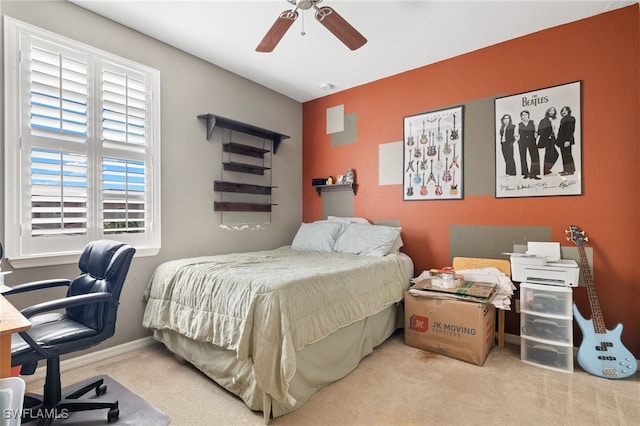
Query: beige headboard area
[(337, 203), (490, 241)]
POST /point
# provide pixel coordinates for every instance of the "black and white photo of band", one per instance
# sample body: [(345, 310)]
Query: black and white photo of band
[(538, 142)]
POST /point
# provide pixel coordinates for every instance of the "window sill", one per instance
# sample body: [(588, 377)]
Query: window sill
[(65, 259)]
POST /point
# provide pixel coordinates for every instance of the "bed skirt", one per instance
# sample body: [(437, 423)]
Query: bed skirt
[(318, 363)]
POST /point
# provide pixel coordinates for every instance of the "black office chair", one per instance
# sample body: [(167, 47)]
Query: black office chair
[(89, 317)]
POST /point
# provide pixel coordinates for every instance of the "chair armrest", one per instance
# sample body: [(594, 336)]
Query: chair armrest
[(37, 285), (68, 302)]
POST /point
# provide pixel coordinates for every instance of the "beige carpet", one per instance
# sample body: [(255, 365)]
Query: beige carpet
[(396, 385)]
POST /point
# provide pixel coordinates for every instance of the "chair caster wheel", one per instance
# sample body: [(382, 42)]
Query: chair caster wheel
[(101, 390), (113, 415)]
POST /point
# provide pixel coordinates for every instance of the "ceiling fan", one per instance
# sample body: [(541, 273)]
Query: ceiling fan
[(325, 15)]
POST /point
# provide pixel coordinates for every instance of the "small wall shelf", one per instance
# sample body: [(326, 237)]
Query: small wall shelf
[(336, 187), (250, 151), (226, 206), (232, 166), (213, 120), (245, 188)]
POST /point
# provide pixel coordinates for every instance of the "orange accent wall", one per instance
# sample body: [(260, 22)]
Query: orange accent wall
[(603, 52)]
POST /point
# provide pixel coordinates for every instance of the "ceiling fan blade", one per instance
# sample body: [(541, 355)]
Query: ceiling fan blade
[(340, 27), (277, 31)]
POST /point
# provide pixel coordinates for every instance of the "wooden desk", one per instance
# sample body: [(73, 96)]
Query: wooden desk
[(11, 321), (461, 263)]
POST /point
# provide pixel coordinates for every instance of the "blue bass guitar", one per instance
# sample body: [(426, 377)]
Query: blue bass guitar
[(601, 352)]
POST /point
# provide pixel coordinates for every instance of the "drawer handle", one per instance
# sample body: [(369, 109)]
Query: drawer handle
[(545, 322)]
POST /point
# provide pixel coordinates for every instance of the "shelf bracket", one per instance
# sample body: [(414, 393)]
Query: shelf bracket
[(211, 124)]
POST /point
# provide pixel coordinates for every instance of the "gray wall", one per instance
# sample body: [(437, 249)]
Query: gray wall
[(190, 163)]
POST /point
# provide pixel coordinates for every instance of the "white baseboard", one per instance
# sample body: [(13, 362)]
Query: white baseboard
[(513, 339), (91, 358)]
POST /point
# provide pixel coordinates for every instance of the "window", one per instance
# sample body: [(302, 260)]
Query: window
[(82, 148)]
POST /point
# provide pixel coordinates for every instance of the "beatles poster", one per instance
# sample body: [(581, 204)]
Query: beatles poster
[(432, 165), (538, 142)]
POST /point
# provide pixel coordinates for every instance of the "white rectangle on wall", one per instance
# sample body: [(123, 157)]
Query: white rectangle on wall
[(390, 163), (335, 119)]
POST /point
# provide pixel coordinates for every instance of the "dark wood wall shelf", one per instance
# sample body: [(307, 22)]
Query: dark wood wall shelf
[(226, 206), (336, 187), (213, 120), (257, 186), (225, 186), (232, 166), (250, 151)]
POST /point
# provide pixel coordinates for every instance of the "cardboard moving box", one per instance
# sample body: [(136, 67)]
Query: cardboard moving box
[(458, 329)]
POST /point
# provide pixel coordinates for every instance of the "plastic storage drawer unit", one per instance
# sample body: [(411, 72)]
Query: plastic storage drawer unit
[(546, 326)]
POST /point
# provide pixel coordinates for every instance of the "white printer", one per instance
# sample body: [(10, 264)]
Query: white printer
[(541, 264)]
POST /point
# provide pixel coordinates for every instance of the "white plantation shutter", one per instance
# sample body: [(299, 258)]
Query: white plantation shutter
[(58, 193), (123, 187), (124, 115), (81, 148), (57, 84)]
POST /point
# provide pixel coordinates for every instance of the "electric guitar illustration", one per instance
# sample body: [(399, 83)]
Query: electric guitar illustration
[(423, 138), (446, 176), (454, 131), (423, 188), (410, 140), (431, 177), (423, 162), (454, 160), (453, 189), (438, 187), (601, 352), (410, 188), (439, 166)]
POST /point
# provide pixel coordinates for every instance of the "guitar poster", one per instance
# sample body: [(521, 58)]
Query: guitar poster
[(538, 142), (432, 155)]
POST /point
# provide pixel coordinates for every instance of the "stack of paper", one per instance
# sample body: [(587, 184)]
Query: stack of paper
[(472, 291), (500, 297)]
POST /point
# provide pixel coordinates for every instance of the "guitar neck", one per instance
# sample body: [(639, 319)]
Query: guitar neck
[(596, 313)]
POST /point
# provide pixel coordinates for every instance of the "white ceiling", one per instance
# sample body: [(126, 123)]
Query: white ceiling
[(402, 35)]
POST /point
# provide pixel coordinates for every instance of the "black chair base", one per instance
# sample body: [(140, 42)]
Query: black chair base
[(45, 414)]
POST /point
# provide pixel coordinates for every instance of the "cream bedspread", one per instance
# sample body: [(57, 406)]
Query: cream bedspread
[(266, 305)]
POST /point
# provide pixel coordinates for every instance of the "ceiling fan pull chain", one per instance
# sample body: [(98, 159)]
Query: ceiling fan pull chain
[(302, 33)]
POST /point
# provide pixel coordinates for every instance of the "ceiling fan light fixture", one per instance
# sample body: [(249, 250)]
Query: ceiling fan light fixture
[(305, 4)]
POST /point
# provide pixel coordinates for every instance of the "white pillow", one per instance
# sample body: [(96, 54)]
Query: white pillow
[(317, 236), (367, 240), (397, 245), (348, 219)]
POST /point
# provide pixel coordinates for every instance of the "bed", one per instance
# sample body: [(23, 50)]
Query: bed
[(275, 326)]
